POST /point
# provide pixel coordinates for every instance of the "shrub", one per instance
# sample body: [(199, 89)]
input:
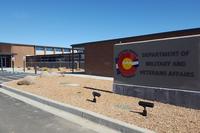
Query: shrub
[(44, 74), (59, 69)]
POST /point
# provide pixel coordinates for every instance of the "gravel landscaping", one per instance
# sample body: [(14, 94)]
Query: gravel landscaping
[(77, 91)]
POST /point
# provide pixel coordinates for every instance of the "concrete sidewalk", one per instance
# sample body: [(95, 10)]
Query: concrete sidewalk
[(20, 70), (90, 76)]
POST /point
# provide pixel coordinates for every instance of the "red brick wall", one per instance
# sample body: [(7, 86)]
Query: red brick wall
[(5, 49), (99, 55), (99, 59)]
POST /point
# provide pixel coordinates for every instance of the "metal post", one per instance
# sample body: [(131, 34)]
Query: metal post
[(1, 64), (79, 61), (24, 63), (45, 51), (35, 67), (13, 65), (69, 60), (72, 59)]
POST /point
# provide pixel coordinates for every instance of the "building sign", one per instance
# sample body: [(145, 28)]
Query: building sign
[(127, 63), (171, 63)]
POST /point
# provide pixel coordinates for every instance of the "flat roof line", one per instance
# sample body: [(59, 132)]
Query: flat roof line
[(167, 34), (161, 39), (29, 45)]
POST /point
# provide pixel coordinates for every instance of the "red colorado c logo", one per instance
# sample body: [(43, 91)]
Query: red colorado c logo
[(127, 63)]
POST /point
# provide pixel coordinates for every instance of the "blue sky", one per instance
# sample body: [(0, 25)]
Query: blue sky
[(65, 22)]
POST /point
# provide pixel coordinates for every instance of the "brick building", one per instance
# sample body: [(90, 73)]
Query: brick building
[(99, 54), (19, 51), (95, 57)]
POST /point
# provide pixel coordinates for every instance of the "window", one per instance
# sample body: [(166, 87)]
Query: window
[(66, 50), (39, 48), (58, 49), (49, 49)]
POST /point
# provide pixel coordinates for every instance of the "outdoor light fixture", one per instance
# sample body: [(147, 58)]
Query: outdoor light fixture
[(95, 94), (145, 104)]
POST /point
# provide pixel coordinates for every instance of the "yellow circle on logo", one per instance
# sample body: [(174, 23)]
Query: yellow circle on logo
[(127, 63)]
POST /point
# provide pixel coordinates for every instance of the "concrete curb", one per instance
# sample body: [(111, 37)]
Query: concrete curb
[(91, 76), (94, 117)]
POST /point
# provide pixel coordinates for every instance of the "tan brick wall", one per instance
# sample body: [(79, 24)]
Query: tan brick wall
[(21, 51)]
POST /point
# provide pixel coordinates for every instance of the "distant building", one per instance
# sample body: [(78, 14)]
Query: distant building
[(18, 52)]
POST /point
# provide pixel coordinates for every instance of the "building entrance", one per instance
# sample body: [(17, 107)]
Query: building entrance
[(5, 61)]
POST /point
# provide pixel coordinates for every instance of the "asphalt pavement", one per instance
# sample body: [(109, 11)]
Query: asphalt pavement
[(19, 117)]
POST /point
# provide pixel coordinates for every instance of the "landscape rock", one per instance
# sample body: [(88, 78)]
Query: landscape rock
[(28, 80)]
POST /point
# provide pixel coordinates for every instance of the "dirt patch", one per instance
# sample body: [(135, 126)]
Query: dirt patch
[(76, 91)]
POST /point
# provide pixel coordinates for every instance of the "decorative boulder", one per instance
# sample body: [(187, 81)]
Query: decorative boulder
[(28, 80)]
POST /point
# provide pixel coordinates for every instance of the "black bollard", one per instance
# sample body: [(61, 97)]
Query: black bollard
[(35, 67)]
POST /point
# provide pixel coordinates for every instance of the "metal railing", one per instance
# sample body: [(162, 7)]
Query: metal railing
[(56, 64)]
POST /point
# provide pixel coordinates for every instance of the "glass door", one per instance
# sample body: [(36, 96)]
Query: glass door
[(5, 61)]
